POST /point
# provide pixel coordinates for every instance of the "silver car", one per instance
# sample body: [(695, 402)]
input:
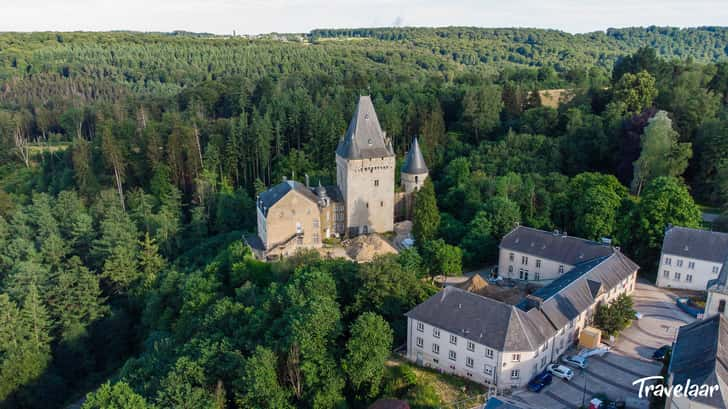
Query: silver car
[(574, 360), (560, 371)]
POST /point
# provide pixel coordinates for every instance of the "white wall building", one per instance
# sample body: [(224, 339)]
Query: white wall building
[(691, 258), (540, 256), (491, 342)]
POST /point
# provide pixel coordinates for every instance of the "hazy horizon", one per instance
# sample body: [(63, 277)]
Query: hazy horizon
[(301, 16)]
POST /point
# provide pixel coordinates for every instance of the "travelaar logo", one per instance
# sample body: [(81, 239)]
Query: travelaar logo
[(688, 390)]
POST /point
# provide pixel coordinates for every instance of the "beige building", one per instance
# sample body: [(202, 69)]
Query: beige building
[(292, 215)]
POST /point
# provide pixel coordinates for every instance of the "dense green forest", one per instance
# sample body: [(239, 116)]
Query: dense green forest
[(130, 163)]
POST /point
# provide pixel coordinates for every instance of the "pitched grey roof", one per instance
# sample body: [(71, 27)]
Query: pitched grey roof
[(483, 320), (553, 246), (696, 243), (700, 354), (364, 138), (576, 291), (277, 192), (414, 163), (720, 284)]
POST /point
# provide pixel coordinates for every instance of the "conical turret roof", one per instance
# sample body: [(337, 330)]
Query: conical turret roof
[(364, 138), (414, 163)]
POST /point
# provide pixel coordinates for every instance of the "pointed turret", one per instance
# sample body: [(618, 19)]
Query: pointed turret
[(364, 138), (414, 172)]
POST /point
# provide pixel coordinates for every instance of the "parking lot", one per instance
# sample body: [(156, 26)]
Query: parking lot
[(629, 359)]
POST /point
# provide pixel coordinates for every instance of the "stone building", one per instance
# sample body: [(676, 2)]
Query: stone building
[(691, 258), (292, 215), (495, 343)]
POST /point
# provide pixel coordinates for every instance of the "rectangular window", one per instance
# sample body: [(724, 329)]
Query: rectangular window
[(679, 262), (436, 333), (420, 342), (471, 346), (316, 238), (715, 269), (689, 278), (537, 275), (420, 327), (488, 370), (510, 256), (489, 353), (299, 240), (381, 204), (561, 269), (452, 355), (516, 358), (691, 265), (524, 260), (376, 182), (666, 274), (538, 263), (510, 269), (668, 261), (315, 223), (677, 276), (435, 348), (543, 361), (515, 374), (453, 339), (469, 362)]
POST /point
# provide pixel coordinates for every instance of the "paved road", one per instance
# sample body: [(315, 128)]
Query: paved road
[(629, 360)]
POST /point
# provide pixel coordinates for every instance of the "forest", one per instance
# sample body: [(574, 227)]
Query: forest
[(130, 164)]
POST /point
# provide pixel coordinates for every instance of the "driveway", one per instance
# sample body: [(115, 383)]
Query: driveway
[(630, 358)]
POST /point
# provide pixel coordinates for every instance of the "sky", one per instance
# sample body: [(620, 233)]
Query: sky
[(265, 16)]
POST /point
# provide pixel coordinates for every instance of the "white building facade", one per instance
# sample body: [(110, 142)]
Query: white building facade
[(691, 258), (494, 343)]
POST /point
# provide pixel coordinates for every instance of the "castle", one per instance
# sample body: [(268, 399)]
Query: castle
[(292, 215)]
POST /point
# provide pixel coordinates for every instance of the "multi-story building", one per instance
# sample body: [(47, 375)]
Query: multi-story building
[(691, 258), (491, 342), (292, 215), (540, 256), (700, 358)]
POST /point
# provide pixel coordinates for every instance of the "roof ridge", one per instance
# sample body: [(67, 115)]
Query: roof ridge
[(697, 229), (478, 295)]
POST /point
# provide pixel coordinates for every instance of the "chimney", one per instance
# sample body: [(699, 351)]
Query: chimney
[(305, 175)]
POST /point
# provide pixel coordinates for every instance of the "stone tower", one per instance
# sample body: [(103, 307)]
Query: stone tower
[(414, 172), (365, 173)]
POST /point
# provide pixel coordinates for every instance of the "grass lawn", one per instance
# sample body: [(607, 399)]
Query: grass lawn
[(448, 387)]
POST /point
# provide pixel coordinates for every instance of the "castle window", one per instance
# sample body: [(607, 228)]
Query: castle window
[(316, 238), (376, 182), (316, 223)]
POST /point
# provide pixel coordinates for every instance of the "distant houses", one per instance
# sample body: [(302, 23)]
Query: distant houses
[(494, 343), (691, 258)]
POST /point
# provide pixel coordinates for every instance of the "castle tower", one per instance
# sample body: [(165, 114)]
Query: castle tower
[(365, 173), (414, 172)]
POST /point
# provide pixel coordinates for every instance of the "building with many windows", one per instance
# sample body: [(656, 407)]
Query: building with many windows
[(691, 258), (491, 342), (540, 256), (292, 215)]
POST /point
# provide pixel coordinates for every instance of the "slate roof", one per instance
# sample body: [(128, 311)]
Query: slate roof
[(720, 284), (527, 325), (414, 162), (277, 192), (576, 291), (364, 138), (696, 243), (480, 319), (552, 246), (700, 354)]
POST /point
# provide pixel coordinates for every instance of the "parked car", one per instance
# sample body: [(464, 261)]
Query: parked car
[(540, 381), (574, 360), (560, 371), (659, 355)]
